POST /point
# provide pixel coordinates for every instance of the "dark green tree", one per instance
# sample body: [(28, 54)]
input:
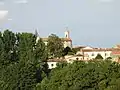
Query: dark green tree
[(9, 41), (66, 50), (98, 56), (41, 56), (2, 52), (23, 72)]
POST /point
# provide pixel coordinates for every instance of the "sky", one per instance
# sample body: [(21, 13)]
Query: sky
[(90, 22)]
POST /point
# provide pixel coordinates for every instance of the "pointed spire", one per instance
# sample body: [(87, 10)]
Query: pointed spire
[(36, 33)]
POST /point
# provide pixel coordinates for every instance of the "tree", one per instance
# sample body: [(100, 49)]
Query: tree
[(66, 50), (75, 50), (9, 41), (98, 56), (1, 51), (31, 60), (109, 58), (27, 61), (41, 56), (40, 51), (54, 46)]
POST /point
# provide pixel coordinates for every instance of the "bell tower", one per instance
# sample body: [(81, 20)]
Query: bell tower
[(67, 33)]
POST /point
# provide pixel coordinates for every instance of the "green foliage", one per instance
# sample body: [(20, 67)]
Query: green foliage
[(40, 51), (66, 51), (75, 50), (69, 51), (21, 61), (54, 46), (8, 42), (94, 75), (109, 58), (98, 56)]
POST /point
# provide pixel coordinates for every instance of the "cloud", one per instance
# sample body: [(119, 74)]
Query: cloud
[(3, 14), (10, 19), (21, 1)]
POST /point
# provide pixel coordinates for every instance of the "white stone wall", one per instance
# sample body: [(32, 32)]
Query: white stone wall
[(67, 43), (52, 65), (72, 58), (46, 43), (104, 54)]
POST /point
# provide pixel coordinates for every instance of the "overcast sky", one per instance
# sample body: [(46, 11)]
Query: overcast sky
[(91, 22)]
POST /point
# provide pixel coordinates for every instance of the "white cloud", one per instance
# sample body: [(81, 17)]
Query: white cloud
[(10, 19), (21, 1), (3, 14)]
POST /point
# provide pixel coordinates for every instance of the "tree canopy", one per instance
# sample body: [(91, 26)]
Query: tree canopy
[(94, 75), (21, 61), (55, 46), (98, 56)]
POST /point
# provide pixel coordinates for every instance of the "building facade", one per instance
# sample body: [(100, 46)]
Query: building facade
[(90, 53)]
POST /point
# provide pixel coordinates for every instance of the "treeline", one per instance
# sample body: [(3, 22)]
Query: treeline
[(92, 75)]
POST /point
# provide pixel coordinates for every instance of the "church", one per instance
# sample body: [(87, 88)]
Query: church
[(67, 41)]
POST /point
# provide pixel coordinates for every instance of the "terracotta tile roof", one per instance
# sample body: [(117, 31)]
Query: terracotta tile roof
[(116, 52), (117, 46), (97, 49), (79, 46)]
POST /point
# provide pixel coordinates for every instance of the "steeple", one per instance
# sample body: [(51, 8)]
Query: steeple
[(67, 33), (37, 36), (36, 33)]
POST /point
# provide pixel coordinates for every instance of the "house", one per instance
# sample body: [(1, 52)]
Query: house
[(52, 63), (91, 52), (116, 53), (72, 58)]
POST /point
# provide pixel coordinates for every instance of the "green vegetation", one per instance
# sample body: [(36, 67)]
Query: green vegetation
[(69, 51), (21, 61), (94, 75), (55, 46), (23, 66), (98, 56)]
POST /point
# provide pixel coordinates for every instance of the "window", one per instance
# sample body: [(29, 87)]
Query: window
[(52, 65), (77, 58), (92, 54), (105, 54)]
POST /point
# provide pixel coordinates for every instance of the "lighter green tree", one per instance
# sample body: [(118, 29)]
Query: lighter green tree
[(55, 46)]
